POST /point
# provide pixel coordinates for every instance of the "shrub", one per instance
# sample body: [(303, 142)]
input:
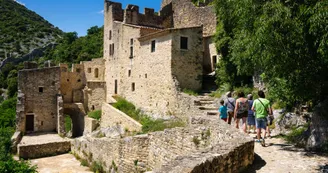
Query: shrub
[(95, 114), (68, 123), (148, 124), (190, 92), (97, 167)]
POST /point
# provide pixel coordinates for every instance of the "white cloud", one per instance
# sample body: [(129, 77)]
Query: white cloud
[(21, 3), (101, 12)]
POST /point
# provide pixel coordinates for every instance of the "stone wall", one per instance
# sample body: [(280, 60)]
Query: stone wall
[(207, 144), (94, 95), (38, 89), (72, 83), (187, 63), (109, 151), (94, 70), (111, 117), (132, 16), (43, 150), (186, 14), (211, 57), (90, 125)]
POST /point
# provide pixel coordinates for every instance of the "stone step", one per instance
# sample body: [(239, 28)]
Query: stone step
[(207, 108), (212, 113), (202, 103), (205, 98)]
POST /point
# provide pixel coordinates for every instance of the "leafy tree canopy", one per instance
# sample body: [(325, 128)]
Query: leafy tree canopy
[(285, 41)]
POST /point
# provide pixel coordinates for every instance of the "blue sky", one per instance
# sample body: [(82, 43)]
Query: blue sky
[(79, 15)]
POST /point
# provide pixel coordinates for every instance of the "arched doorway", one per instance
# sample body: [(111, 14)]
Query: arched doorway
[(77, 117)]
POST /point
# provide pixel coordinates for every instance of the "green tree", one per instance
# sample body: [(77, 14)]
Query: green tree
[(285, 40)]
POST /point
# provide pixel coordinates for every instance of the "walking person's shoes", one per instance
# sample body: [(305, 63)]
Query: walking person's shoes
[(263, 142)]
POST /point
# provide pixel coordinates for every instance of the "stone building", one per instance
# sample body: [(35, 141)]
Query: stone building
[(148, 59)]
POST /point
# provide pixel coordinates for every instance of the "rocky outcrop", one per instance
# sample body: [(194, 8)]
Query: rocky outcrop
[(318, 139)]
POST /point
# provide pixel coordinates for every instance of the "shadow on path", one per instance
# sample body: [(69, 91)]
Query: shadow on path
[(258, 163)]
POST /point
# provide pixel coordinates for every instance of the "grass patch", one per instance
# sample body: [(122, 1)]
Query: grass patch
[(97, 167), (68, 123), (148, 124), (95, 114), (190, 92), (296, 134)]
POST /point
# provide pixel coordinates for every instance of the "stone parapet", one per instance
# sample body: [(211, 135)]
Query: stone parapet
[(112, 116), (90, 125), (208, 144), (43, 149)]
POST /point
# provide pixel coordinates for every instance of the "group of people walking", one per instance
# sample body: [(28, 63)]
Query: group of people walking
[(253, 113)]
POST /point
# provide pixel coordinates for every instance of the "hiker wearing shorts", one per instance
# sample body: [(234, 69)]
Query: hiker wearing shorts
[(262, 109), (230, 104), (251, 116), (241, 110)]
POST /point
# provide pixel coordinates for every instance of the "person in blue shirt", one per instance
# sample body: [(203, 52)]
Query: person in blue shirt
[(223, 111)]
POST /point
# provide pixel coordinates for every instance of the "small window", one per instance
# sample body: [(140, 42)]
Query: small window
[(133, 86), (96, 73), (129, 73), (146, 76), (67, 80), (40, 89), (131, 52), (183, 42), (131, 41), (78, 70), (110, 49), (110, 34), (113, 49), (153, 46), (89, 70), (79, 80)]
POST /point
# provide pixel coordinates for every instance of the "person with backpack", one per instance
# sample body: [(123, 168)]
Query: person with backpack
[(241, 110), (230, 104), (262, 108), (251, 116)]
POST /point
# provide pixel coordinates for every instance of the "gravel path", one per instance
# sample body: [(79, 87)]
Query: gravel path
[(280, 157)]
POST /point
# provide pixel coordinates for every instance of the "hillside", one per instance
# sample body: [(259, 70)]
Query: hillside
[(22, 30)]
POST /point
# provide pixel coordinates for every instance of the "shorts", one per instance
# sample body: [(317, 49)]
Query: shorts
[(261, 123), (242, 115), (251, 120)]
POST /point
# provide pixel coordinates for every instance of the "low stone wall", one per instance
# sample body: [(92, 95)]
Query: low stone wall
[(123, 153), (112, 116), (43, 150), (208, 143), (90, 125), (219, 160)]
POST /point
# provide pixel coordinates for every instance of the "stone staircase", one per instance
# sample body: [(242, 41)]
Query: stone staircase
[(207, 105)]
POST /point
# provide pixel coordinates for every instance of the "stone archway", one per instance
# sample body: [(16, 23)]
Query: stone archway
[(76, 113)]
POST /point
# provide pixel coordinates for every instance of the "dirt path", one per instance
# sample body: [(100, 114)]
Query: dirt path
[(65, 163), (279, 157)]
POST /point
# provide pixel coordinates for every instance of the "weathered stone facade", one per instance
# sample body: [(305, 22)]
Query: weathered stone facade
[(37, 101)]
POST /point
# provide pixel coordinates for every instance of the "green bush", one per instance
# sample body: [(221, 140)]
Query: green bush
[(95, 114), (97, 167), (68, 123), (190, 92), (148, 124)]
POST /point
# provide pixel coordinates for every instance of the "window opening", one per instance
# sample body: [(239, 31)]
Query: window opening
[(183, 42), (153, 46), (96, 73), (110, 34), (89, 70), (133, 86), (131, 52), (129, 73), (78, 70), (146, 76), (40, 89), (115, 89)]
